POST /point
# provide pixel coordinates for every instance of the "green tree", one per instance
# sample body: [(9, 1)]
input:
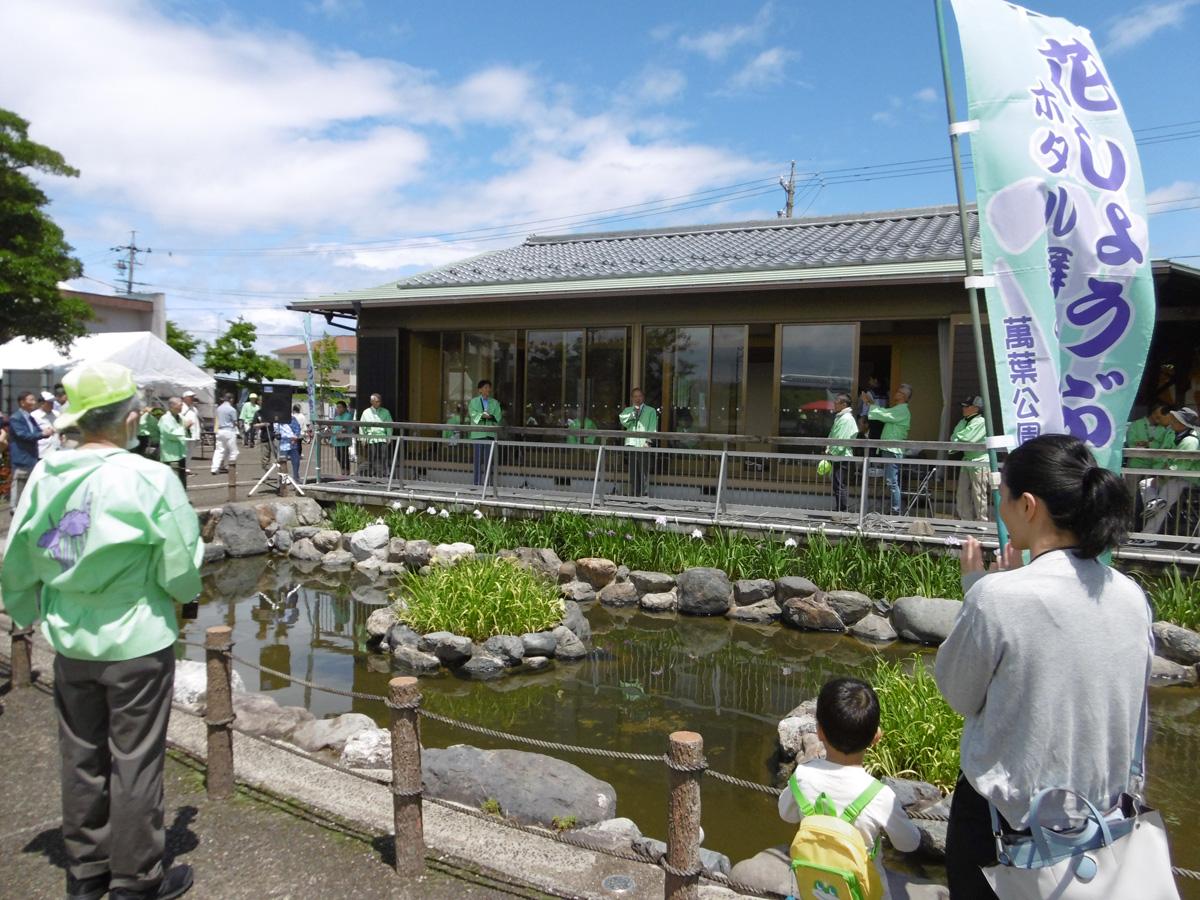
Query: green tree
[(34, 256), (233, 353), (325, 363), (182, 342)]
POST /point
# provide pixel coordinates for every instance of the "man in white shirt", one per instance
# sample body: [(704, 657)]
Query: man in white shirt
[(225, 452), (44, 415), (190, 417)]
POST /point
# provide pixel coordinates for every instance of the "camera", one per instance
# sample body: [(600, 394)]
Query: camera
[(191, 610)]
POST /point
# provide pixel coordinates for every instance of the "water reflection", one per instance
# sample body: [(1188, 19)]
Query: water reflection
[(649, 676)]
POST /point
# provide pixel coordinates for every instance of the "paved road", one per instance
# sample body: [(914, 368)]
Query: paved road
[(244, 848)]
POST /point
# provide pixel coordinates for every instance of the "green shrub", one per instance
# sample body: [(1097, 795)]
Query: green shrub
[(491, 806), (1174, 596), (348, 517), (921, 732), (480, 598), (564, 823)]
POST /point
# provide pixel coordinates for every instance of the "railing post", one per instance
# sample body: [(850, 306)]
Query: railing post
[(395, 457), (21, 673), (487, 472), (596, 476), (231, 482), (685, 758), (219, 715), (862, 489), (404, 698), (717, 508)]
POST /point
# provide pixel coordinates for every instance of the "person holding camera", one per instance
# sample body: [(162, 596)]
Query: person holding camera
[(103, 546)]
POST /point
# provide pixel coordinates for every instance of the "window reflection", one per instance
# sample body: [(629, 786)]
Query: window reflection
[(695, 376), (816, 362)]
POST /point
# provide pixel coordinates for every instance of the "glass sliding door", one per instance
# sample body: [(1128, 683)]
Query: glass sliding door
[(553, 377), (604, 386), (816, 362), (696, 375)]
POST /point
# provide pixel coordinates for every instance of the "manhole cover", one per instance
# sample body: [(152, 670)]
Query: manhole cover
[(618, 884)]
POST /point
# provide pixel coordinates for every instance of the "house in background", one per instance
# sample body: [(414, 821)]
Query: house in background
[(343, 377), (744, 328), (129, 312)]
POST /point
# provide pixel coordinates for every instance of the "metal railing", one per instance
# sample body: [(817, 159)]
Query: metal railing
[(908, 489)]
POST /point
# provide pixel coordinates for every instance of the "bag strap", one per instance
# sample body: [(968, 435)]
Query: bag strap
[(852, 812), (822, 807), (1137, 766)]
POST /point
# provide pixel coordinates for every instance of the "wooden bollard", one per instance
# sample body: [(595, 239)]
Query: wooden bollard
[(22, 657), (232, 482), (685, 757), (404, 696), (219, 715)]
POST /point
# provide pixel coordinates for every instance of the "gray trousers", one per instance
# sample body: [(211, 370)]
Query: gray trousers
[(112, 730)]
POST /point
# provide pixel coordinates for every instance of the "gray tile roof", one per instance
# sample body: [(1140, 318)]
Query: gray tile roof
[(907, 235)]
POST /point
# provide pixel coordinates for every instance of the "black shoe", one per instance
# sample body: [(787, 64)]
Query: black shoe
[(87, 888), (176, 883)]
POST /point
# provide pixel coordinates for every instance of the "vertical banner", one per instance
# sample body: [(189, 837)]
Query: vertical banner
[(312, 383), (1062, 218)]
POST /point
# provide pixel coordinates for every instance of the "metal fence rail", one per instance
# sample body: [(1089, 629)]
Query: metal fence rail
[(721, 479)]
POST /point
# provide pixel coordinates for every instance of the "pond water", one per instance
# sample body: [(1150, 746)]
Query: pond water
[(648, 677)]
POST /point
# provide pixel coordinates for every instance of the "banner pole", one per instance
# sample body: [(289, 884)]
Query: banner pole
[(969, 264)]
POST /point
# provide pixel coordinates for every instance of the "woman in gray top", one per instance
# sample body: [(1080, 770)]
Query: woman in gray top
[(1047, 661)]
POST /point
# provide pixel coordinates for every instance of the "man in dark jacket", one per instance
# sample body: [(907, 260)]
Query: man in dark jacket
[(23, 436)]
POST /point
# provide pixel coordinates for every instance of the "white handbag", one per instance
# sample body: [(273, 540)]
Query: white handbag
[(1123, 853)]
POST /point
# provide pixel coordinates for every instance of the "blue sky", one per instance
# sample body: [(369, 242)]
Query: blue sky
[(274, 150)]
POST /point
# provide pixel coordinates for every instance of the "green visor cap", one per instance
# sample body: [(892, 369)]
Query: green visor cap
[(93, 385)]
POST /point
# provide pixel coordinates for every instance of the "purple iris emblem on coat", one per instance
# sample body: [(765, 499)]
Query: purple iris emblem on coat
[(66, 540)]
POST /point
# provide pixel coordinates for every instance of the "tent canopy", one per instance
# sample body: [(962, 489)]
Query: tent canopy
[(157, 369)]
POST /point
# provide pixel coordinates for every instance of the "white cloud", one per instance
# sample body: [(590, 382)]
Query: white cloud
[(764, 70), (927, 95), (717, 43), (1172, 195), (1144, 22), (657, 86)]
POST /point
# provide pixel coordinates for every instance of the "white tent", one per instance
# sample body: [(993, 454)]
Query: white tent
[(157, 369)]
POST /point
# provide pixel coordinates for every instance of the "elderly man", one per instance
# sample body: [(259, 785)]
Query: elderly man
[(971, 498), (45, 415), (1160, 494), (638, 417), (225, 452), (375, 437), (896, 421), (103, 547), (845, 428), (246, 417), (172, 439)]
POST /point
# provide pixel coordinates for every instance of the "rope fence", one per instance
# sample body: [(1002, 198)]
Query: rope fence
[(684, 761)]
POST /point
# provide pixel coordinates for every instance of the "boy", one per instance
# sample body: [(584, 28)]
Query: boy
[(848, 725)]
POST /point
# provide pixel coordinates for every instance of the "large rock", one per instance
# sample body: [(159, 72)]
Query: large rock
[(371, 748), (505, 647), (208, 524), (851, 606), (596, 571), (704, 592), (926, 620), (265, 513), (761, 612), (665, 602), (337, 559), (371, 541), (327, 539), (749, 591), (305, 551), (396, 550), (618, 594), (770, 871), (379, 623), (566, 572), (400, 635), (793, 586), (451, 554), (282, 541), (213, 553), (308, 511), (1176, 644), (811, 613), (651, 582), (568, 646), (575, 620), (417, 553), (793, 727), (536, 663), (285, 515), (410, 659), (542, 560), (191, 685), (330, 734), (371, 567), (873, 628), (259, 714), (611, 834), (1166, 672), (305, 531), (539, 643), (530, 787), (483, 666), (578, 591), (239, 532)]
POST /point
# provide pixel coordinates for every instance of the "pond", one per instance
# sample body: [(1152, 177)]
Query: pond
[(648, 677)]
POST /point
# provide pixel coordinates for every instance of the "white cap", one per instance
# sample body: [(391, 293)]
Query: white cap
[(188, 394), (47, 397)]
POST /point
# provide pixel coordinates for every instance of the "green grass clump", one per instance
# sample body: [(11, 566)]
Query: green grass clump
[(491, 806), (1174, 596), (349, 517), (480, 598), (921, 732), (879, 570)]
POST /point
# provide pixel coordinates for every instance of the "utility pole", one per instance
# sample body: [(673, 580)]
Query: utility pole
[(789, 188), (126, 267)]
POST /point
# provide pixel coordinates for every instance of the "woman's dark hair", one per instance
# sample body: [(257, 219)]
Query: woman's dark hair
[(342, 404), (1089, 501)]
